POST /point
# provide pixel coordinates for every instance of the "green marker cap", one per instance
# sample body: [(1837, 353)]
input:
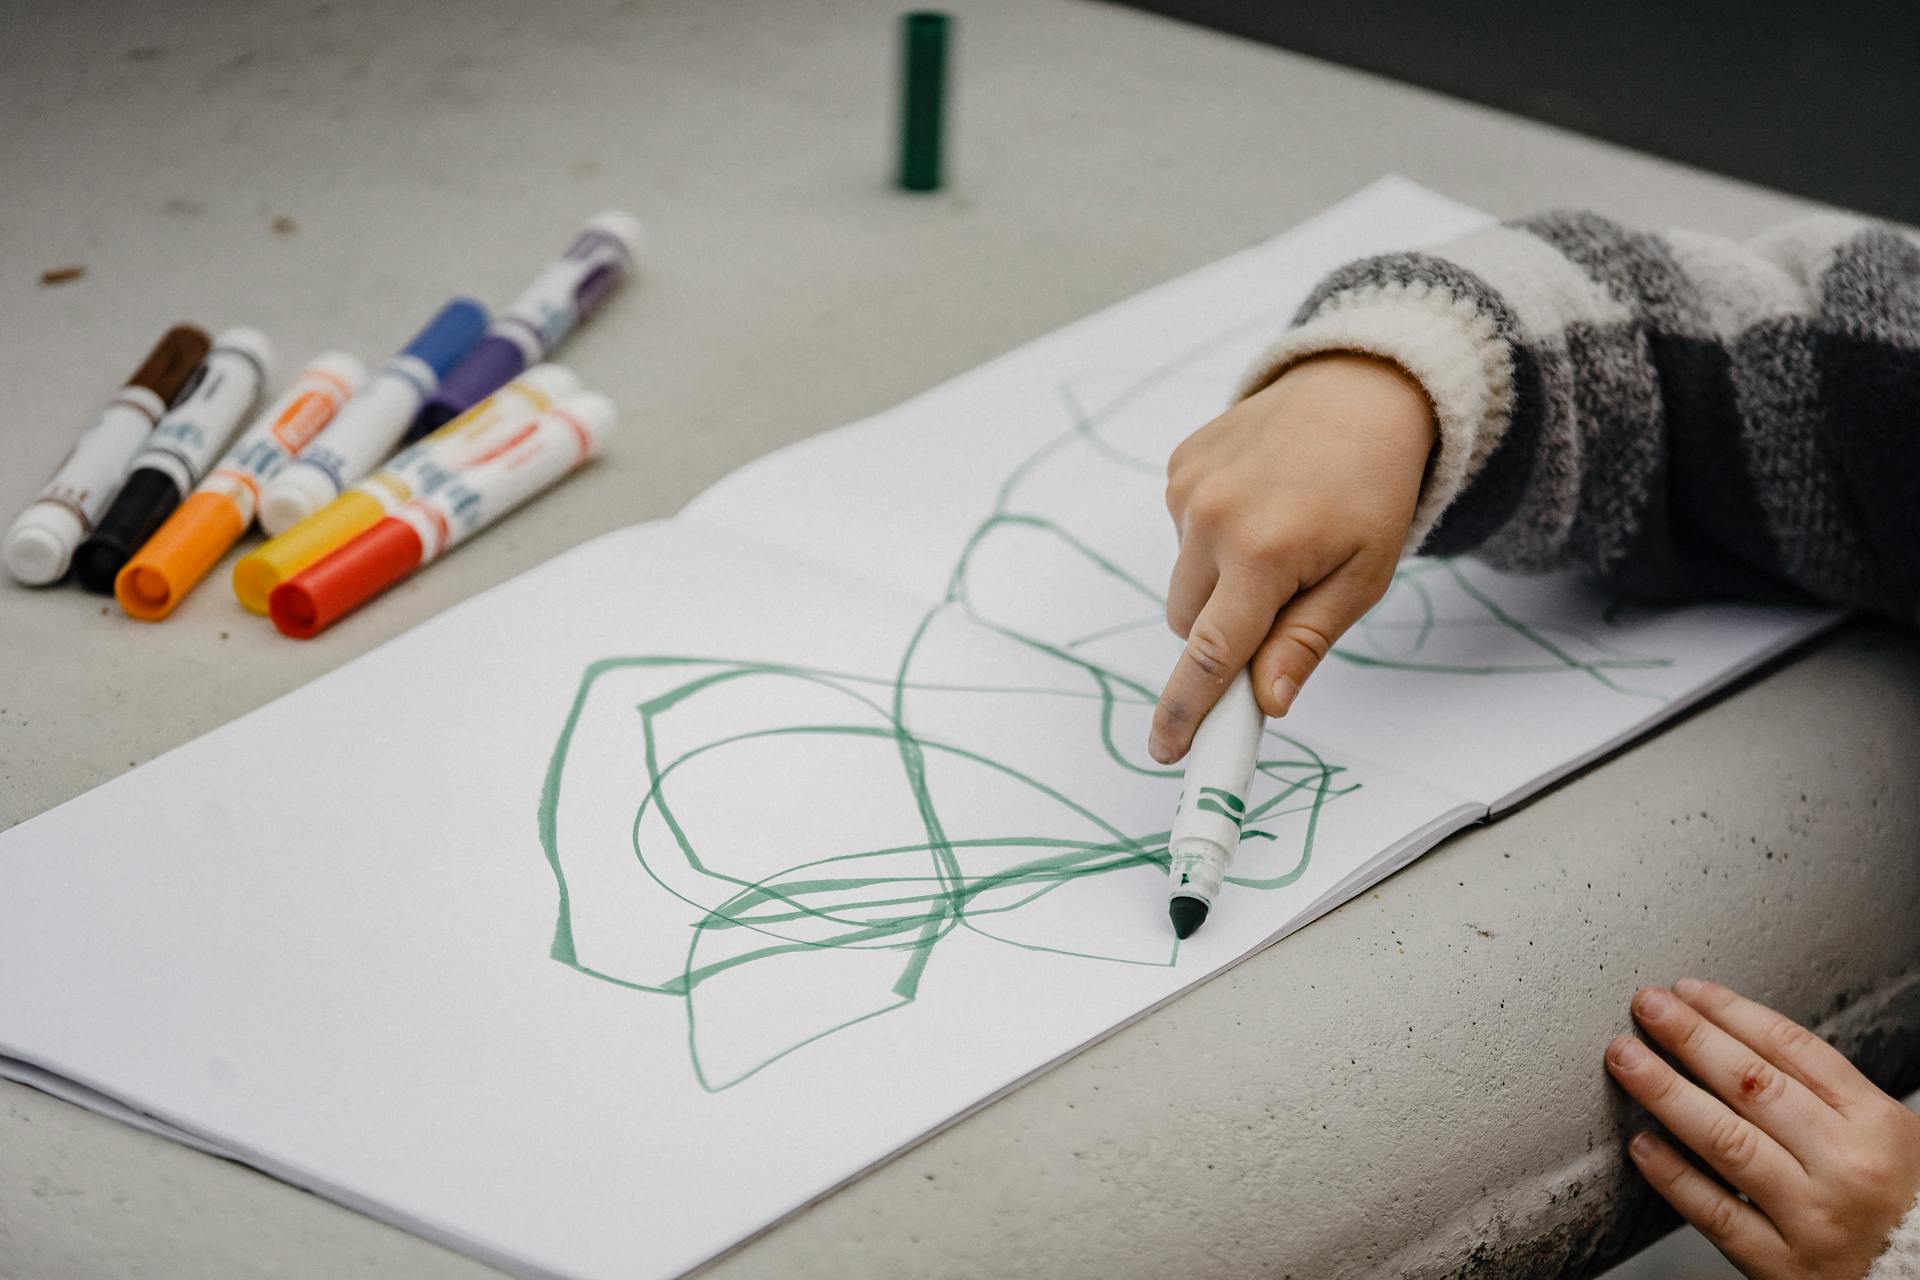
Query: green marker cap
[(923, 89)]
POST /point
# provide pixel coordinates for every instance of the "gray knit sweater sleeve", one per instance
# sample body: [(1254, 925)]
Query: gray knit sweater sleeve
[(1678, 414)]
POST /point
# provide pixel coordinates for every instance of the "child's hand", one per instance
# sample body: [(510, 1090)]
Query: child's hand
[(1292, 508), (1829, 1163)]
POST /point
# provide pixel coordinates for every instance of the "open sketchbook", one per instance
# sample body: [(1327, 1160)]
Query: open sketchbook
[(638, 902)]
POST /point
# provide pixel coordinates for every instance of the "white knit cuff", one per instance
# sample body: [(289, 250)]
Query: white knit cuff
[(1442, 342), (1900, 1260)]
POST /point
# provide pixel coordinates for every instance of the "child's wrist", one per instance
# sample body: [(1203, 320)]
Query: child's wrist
[(1368, 383), (1365, 395)]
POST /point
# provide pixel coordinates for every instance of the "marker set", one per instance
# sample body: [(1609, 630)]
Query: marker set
[(142, 509)]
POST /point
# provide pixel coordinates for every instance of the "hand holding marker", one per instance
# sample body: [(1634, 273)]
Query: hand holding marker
[(219, 511), (41, 542), (418, 468), (371, 424), (422, 530), (1213, 803), (178, 452), (559, 298)]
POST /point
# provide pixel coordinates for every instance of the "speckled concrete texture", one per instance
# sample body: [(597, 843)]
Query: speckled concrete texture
[(1412, 1085)]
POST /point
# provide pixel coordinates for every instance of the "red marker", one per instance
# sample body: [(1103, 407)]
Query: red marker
[(427, 527)]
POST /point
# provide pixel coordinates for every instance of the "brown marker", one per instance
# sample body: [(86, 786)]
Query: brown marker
[(41, 542)]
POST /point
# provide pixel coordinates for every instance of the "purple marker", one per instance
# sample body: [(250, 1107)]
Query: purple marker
[(559, 298)]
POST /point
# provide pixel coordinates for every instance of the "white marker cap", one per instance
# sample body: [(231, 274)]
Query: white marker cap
[(249, 342), (551, 380), (41, 543), (594, 412), (623, 227), (295, 494), (342, 365)]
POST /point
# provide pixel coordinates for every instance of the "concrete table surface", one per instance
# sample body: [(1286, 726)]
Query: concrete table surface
[(1411, 1086)]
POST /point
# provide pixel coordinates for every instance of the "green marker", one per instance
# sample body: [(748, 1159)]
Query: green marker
[(1213, 804), (923, 91)]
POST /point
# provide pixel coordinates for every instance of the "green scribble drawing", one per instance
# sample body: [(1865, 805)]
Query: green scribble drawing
[(791, 929), (1388, 638)]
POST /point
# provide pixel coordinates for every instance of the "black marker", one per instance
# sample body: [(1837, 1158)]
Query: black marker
[(183, 445)]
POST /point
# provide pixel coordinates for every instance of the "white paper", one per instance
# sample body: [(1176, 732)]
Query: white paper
[(639, 902), (364, 997), (1495, 686)]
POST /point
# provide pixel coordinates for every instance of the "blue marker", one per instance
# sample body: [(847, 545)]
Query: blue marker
[(559, 299), (366, 430)]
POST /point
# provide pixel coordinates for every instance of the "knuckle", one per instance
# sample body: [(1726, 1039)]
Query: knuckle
[(1719, 1219), (1677, 1172), (1713, 996), (1207, 649), (1670, 1087), (1209, 507), (1261, 545), (1762, 1084), (1788, 1036), (1733, 1142), (1173, 711), (1178, 488), (1316, 642), (1697, 1037), (1870, 1169)]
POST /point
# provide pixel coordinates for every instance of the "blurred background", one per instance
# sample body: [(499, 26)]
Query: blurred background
[(1822, 100)]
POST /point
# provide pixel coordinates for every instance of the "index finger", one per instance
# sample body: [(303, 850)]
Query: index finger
[(1235, 619)]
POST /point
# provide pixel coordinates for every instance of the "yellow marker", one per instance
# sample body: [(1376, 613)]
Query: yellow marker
[(420, 468), (218, 511)]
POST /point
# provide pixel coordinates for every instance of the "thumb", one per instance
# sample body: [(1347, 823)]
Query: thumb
[(1305, 631)]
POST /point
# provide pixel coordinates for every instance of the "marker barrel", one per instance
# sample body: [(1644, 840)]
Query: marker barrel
[(41, 541), (1213, 801), (287, 427), (372, 423), (427, 527), (177, 453), (421, 467), (214, 517), (511, 473), (923, 92), (564, 294), (320, 595)]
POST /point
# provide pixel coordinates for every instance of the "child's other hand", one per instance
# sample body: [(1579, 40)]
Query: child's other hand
[(1292, 509), (1829, 1163)]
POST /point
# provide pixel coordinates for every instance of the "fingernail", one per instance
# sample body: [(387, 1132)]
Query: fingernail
[(1642, 1144), (1654, 1004), (1284, 692), (1688, 988), (1628, 1052)]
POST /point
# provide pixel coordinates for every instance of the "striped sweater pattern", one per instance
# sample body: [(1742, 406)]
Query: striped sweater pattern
[(1679, 415)]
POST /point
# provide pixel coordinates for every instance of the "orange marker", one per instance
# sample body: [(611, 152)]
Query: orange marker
[(219, 510)]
